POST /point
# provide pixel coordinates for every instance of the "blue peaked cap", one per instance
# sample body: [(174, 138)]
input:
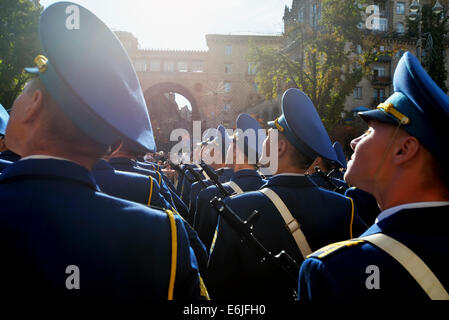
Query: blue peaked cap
[(418, 104), (251, 126), (89, 74), (302, 126), (340, 154), (4, 117)]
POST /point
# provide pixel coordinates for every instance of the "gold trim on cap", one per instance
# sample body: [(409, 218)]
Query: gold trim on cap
[(389, 108), (278, 126), (41, 62)]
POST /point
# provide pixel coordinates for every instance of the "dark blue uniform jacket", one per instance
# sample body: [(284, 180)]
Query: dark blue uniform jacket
[(206, 217), (342, 274), (235, 269), (53, 216)]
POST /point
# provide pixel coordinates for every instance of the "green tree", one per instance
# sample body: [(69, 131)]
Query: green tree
[(434, 40), (19, 44), (320, 58)]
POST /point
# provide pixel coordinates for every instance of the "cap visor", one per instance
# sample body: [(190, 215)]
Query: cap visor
[(377, 115)]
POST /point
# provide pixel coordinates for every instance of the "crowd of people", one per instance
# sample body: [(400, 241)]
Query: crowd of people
[(83, 187)]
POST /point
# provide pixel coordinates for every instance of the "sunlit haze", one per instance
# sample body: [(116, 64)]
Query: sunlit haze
[(182, 25)]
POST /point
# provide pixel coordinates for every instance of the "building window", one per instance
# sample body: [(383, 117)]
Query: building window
[(227, 107), (400, 28), (381, 6), (301, 14), (379, 71), (183, 67), (140, 66), (400, 7), (228, 50), (358, 49), (252, 69), (228, 68), (357, 93), (227, 87), (155, 66), (169, 66), (379, 95), (381, 26), (382, 48), (197, 66)]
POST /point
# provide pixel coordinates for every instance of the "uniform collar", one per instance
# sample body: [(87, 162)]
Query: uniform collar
[(123, 160), (226, 171), (412, 217), (49, 166), (9, 155), (390, 211), (43, 156), (245, 173), (102, 165), (290, 180)]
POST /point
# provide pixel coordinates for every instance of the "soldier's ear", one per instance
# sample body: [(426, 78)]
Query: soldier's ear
[(283, 146), (35, 106), (405, 149), (115, 146)]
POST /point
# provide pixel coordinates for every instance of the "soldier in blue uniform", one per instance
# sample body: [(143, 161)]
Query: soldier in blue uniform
[(295, 214), (125, 159), (143, 189), (185, 181), (224, 172), (401, 160), (338, 170), (4, 117), (365, 204), (324, 179), (156, 167), (127, 185), (245, 177), (4, 164), (53, 218), (5, 154)]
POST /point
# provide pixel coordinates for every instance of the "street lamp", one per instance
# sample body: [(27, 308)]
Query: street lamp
[(416, 13)]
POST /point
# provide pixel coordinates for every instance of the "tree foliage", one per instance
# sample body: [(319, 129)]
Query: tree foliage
[(320, 59), (19, 44), (434, 40)]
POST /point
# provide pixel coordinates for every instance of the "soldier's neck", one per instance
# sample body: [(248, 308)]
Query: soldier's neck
[(288, 167), (401, 191), (86, 161), (123, 154), (244, 166)]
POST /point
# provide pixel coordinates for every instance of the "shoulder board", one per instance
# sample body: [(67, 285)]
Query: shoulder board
[(333, 247)]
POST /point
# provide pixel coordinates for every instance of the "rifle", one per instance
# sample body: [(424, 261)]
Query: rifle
[(214, 177), (179, 171), (244, 229), (197, 176), (328, 179)]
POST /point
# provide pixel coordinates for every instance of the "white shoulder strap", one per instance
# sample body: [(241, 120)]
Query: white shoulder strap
[(291, 223), (412, 263), (235, 187)]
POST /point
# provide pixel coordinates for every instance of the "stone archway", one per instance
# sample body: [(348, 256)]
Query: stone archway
[(164, 113)]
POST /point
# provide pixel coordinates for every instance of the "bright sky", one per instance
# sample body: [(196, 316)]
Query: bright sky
[(183, 24)]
